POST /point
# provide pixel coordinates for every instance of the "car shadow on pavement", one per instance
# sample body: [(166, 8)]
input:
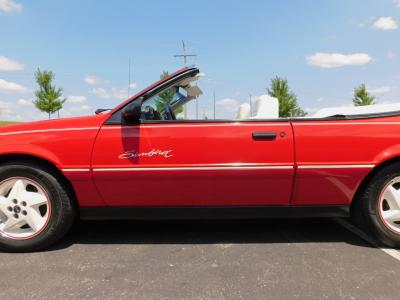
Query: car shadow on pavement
[(210, 232)]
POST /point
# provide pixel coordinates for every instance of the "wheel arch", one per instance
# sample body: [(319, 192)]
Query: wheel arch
[(45, 164), (370, 175)]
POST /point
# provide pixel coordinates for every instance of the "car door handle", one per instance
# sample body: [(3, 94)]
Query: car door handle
[(264, 135)]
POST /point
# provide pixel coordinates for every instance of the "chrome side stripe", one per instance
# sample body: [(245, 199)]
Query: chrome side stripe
[(195, 168), (75, 170), (335, 166), (49, 130), (243, 167)]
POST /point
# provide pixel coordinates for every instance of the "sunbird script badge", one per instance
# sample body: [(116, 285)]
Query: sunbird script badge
[(154, 152)]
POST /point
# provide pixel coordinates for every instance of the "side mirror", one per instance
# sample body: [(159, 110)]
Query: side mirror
[(132, 112)]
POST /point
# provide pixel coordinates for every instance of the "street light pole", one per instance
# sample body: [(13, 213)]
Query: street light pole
[(184, 55)]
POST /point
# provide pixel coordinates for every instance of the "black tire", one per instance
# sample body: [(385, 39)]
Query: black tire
[(366, 209), (62, 209)]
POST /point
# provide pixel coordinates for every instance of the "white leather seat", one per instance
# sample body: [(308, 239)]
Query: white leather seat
[(243, 112), (267, 107)]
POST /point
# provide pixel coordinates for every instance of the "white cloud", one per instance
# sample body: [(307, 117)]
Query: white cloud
[(335, 60), (396, 2), (119, 93), (8, 86), (133, 85), (82, 108), (23, 110), (76, 99), (311, 110), (76, 111), (391, 54), (6, 110), (380, 90), (11, 111), (10, 6), (229, 104), (7, 64), (101, 92), (110, 93), (385, 23), (92, 80), (24, 102), (366, 22)]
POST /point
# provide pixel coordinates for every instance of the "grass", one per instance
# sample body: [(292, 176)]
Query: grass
[(4, 123)]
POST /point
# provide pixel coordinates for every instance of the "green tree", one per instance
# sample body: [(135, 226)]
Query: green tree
[(48, 97), (168, 95), (288, 106), (362, 97)]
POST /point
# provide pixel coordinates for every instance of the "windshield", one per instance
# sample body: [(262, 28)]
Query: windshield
[(172, 103)]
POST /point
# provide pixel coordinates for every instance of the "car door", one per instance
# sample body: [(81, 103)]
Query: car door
[(204, 163)]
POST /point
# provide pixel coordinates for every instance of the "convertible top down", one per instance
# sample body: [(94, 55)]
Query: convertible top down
[(147, 159)]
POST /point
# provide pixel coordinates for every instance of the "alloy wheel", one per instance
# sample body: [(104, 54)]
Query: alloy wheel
[(24, 208), (389, 205)]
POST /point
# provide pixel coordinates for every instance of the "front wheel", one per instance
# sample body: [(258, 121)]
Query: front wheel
[(35, 210), (380, 205)]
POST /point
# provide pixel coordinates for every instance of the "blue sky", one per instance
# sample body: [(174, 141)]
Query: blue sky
[(324, 49)]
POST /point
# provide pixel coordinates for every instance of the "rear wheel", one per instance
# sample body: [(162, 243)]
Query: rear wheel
[(379, 206), (35, 210)]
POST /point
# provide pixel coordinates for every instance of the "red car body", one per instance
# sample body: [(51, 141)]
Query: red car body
[(277, 163)]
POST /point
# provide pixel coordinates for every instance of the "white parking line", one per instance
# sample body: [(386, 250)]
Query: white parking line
[(392, 252)]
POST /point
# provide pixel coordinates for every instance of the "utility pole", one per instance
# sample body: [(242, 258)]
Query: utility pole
[(197, 108), (214, 104), (184, 55), (205, 117), (251, 106)]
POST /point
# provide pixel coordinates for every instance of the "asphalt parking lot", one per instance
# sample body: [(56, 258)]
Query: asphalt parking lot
[(286, 259)]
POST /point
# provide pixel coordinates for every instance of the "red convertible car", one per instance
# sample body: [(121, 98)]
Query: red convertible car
[(143, 160)]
